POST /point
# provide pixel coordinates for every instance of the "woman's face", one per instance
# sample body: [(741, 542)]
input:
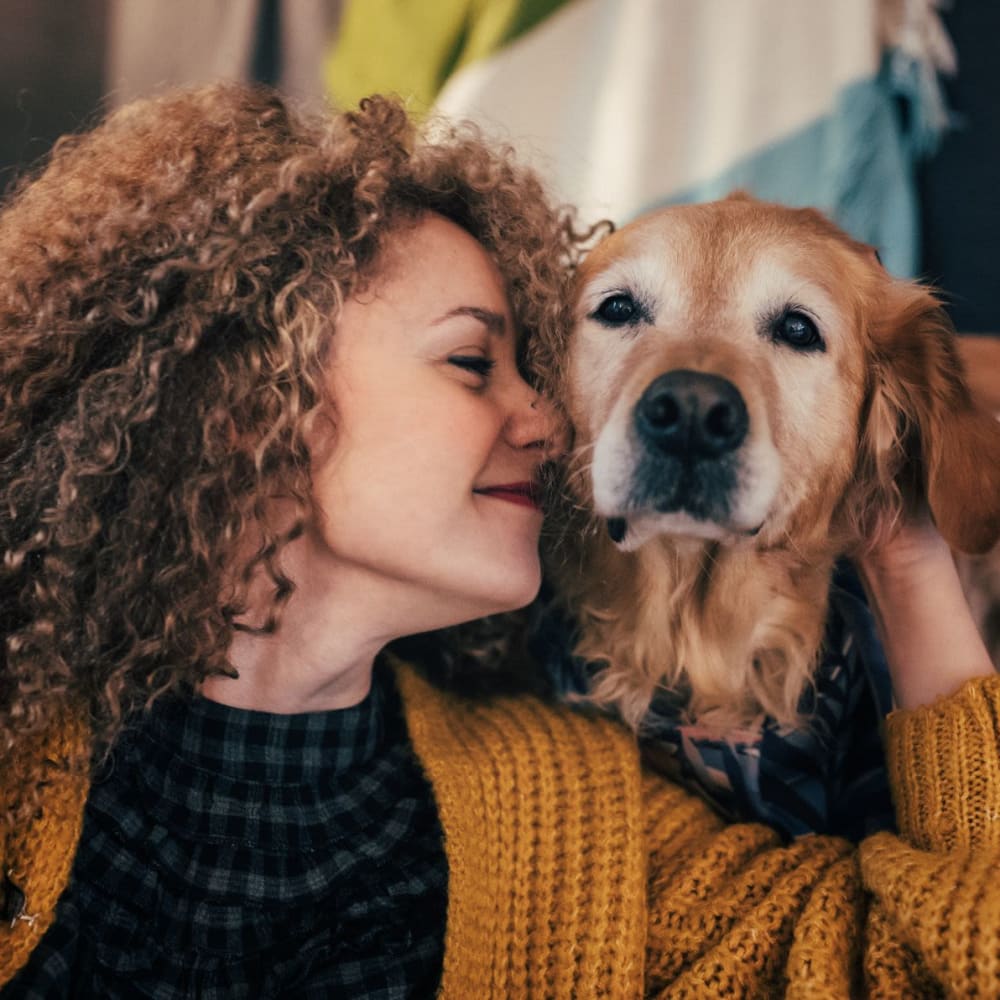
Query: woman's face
[(424, 490)]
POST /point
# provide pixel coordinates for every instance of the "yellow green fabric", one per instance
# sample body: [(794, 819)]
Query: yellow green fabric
[(574, 873), (411, 47)]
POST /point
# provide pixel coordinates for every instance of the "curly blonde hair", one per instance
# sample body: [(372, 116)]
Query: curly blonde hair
[(170, 282)]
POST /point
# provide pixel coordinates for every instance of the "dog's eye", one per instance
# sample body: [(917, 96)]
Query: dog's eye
[(799, 331), (617, 310)]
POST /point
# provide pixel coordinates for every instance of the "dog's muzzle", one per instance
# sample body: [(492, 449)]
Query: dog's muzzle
[(692, 415), (689, 463)]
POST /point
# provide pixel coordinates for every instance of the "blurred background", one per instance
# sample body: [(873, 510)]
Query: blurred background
[(881, 112)]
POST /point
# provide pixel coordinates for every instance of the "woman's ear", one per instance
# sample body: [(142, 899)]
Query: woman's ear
[(924, 434)]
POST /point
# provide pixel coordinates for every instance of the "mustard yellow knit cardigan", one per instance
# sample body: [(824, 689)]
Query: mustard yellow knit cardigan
[(574, 874)]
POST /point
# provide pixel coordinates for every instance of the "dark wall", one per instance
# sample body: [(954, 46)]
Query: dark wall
[(960, 186), (43, 95)]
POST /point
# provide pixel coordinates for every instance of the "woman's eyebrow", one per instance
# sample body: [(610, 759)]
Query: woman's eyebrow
[(494, 322)]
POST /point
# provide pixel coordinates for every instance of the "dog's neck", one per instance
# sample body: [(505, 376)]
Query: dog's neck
[(738, 627)]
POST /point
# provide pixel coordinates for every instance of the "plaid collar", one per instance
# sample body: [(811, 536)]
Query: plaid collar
[(264, 747)]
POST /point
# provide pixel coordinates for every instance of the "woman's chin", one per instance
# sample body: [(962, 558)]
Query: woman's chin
[(510, 592)]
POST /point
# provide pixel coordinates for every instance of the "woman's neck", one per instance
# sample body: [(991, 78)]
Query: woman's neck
[(322, 653), (282, 676), (339, 616)]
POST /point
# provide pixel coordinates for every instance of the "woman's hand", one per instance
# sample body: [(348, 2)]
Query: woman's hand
[(930, 638)]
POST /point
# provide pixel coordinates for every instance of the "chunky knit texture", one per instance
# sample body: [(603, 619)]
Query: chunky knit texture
[(573, 874), (35, 860), (543, 822)]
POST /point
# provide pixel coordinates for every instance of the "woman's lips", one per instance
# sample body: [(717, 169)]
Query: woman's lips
[(524, 494)]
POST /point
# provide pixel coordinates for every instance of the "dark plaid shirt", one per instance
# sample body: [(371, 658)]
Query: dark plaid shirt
[(229, 853)]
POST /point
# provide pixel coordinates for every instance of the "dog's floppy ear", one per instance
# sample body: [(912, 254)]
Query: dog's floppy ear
[(923, 431)]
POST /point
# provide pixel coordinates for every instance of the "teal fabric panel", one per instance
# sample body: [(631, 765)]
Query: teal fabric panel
[(856, 164)]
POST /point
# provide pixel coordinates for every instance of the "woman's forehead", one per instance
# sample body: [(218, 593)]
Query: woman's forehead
[(433, 253)]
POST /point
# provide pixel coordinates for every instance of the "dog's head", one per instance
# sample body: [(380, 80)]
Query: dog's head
[(748, 373)]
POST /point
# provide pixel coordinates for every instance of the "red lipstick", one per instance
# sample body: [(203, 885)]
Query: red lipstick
[(524, 494)]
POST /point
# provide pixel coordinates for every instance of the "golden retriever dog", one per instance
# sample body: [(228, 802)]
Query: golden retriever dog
[(752, 395)]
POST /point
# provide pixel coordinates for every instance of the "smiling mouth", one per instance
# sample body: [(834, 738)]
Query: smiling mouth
[(522, 494)]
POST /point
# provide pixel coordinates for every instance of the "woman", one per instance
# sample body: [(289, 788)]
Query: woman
[(258, 370), (263, 412)]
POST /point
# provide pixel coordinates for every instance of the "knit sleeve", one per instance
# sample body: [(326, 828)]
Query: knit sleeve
[(944, 765), (934, 888), (735, 911)]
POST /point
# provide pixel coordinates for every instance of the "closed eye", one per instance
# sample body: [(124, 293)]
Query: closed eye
[(476, 363)]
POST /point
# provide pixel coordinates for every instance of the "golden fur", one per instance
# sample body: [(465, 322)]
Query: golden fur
[(839, 440)]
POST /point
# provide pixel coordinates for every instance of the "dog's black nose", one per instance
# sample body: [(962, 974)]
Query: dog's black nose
[(692, 413)]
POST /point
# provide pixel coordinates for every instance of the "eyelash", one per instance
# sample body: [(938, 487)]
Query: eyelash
[(474, 363)]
